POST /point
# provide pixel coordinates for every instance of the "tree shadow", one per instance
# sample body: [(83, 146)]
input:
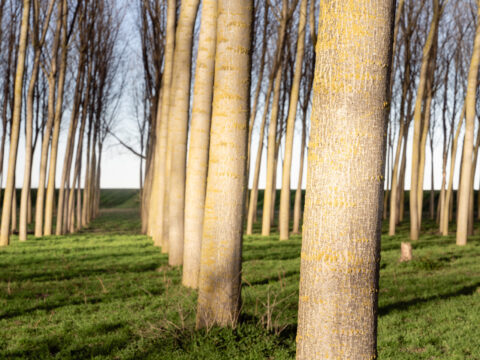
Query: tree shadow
[(405, 305)]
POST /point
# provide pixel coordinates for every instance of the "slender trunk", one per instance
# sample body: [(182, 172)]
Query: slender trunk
[(258, 89), (284, 216), (426, 128), (50, 195), (9, 194), (272, 134), (297, 209), (27, 175), (252, 207), (417, 118), (67, 162), (219, 297), (197, 169), (178, 117), (92, 177), (472, 177), (398, 152), (39, 207), (432, 187), (466, 170), (86, 185), (449, 196), (158, 209), (272, 128)]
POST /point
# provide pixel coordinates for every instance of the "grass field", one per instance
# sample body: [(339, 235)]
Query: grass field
[(107, 293)]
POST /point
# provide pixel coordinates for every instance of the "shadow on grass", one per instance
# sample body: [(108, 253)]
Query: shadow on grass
[(405, 305)]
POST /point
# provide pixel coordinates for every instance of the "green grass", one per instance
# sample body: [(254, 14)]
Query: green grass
[(107, 293)]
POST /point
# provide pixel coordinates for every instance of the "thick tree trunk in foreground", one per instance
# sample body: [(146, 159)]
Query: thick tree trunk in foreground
[(342, 222), (197, 165), (15, 130), (467, 165), (220, 273)]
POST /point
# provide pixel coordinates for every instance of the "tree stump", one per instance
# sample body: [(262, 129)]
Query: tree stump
[(406, 252)]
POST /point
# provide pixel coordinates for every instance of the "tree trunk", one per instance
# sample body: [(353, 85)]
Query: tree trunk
[(50, 195), (297, 209), (39, 207), (284, 216), (271, 170), (417, 118), (252, 207), (449, 196), (197, 169), (219, 295), (9, 195), (14, 210), (466, 170), (178, 117), (158, 217), (25, 200), (337, 317), (272, 127), (67, 162), (256, 97)]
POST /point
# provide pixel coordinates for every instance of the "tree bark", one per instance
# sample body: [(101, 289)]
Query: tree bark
[(272, 129), (27, 175), (50, 195), (219, 295), (449, 196), (466, 170), (340, 256), (15, 128), (178, 117), (252, 207), (417, 118), (297, 208), (67, 162), (39, 207), (284, 215), (158, 217), (197, 165)]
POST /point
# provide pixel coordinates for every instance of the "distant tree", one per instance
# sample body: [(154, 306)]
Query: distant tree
[(38, 37), (15, 127), (284, 221), (158, 204)]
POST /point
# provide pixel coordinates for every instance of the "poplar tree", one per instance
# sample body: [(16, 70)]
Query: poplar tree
[(340, 255), (219, 295)]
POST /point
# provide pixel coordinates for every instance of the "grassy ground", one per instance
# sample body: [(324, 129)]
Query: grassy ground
[(107, 293)]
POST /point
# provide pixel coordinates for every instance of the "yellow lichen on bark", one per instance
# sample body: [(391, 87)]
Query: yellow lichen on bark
[(178, 128), (220, 266), (197, 163), (344, 201)]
